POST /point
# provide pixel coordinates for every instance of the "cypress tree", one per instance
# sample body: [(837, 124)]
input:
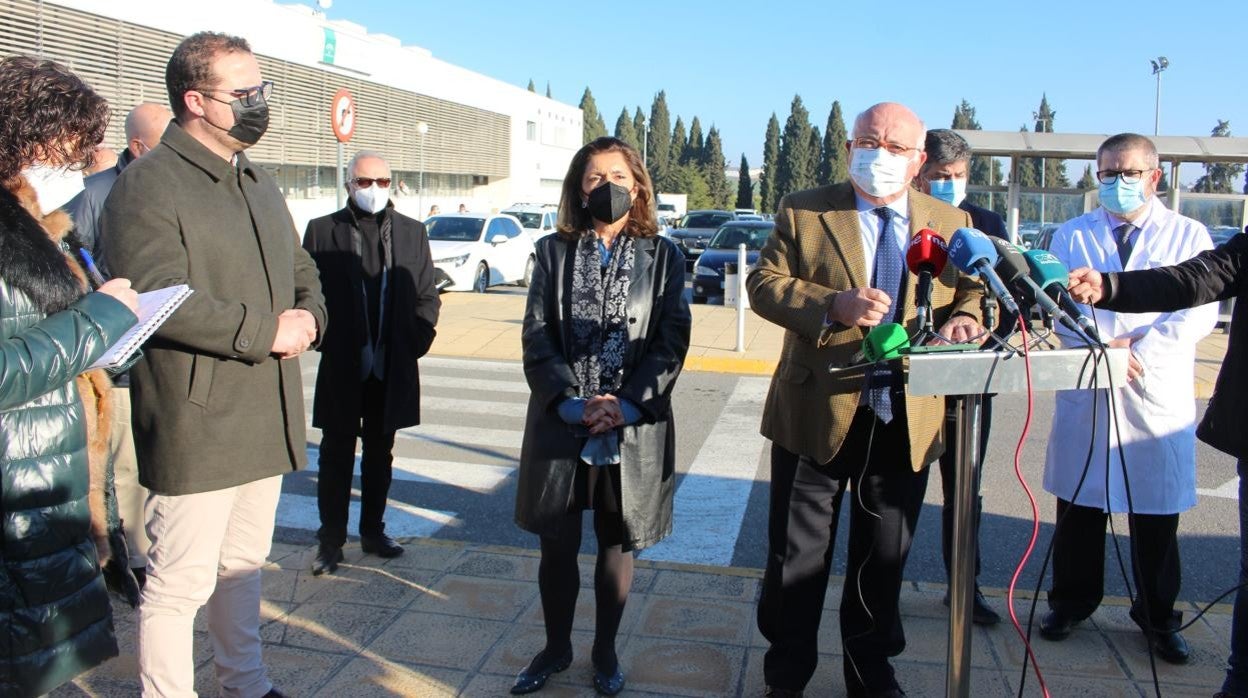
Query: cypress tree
[(796, 169), (745, 187), (659, 142), (816, 146), (592, 125), (1088, 180), (548, 90), (832, 165), (639, 128), (983, 170), (624, 129), (713, 170), (1219, 177), (692, 154), (532, 87), (771, 160), (679, 143)]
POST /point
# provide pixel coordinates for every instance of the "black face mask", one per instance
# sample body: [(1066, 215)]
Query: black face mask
[(250, 123), (609, 202)]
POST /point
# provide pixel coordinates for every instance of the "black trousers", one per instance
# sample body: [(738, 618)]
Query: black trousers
[(948, 481), (1079, 564), (885, 496), (337, 467)]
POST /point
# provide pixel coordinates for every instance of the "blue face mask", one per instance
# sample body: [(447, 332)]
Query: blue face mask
[(1121, 198), (950, 191)]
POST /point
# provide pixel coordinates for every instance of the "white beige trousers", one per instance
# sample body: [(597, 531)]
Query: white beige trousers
[(207, 548)]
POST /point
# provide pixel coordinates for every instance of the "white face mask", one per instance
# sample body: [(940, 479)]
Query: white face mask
[(371, 199), (54, 186), (878, 172)]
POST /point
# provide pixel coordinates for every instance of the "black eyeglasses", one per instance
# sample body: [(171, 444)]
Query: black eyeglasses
[(366, 182), (249, 96), (873, 144), (1128, 176)]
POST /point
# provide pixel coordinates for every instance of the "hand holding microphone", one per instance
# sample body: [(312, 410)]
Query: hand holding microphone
[(1086, 285), (1051, 276)]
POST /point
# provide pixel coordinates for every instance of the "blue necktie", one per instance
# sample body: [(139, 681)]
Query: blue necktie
[(1122, 235), (887, 277)]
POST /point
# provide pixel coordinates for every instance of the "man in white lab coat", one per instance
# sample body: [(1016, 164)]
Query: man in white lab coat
[(1155, 411)]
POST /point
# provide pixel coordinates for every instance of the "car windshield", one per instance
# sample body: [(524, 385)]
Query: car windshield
[(705, 220), (730, 236), (527, 220), (455, 229)]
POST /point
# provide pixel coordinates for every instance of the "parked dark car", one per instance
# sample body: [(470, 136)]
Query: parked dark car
[(708, 272), (694, 231)]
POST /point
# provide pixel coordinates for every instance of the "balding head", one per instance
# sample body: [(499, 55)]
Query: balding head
[(881, 135), (145, 124)]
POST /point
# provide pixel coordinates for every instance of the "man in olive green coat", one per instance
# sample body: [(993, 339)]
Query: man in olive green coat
[(218, 397)]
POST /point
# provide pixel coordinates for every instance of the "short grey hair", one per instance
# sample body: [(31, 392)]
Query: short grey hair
[(1131, 141), (944, 146), (364, 155)]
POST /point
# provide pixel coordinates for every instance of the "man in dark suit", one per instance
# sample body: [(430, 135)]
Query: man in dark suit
[(834, 268), (944, 176), (377, 276)]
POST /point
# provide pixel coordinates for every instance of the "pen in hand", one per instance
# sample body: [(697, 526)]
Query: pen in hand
[(92, 270)]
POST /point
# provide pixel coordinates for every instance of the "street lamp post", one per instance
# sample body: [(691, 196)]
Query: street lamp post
[(422, 128), (1159, 65)]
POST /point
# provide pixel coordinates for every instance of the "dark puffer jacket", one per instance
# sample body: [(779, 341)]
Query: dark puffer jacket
[(55, 619)]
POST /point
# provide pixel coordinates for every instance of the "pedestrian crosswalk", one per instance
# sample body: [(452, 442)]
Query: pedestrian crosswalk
[(454, 474)]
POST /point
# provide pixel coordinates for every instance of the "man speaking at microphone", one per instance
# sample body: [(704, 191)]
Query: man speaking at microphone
[(833, 269), (1155, 412), (944, 176)]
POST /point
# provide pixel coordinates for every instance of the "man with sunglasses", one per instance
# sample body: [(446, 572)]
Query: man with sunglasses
[(1149, 443), (377, 275), (217, 398)]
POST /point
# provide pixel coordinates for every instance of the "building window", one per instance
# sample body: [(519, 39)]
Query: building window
[(531, 131)]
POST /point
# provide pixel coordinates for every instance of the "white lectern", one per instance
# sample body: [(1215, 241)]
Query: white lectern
[(967, 376)]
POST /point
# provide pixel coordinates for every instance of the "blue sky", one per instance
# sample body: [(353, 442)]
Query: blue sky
[(733, 63)]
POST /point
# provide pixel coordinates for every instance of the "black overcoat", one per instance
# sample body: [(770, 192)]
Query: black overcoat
[(658, 332), (411, 314), (1213, 275)]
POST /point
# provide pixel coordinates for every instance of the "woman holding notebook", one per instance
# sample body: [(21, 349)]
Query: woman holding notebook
[(55, 618)]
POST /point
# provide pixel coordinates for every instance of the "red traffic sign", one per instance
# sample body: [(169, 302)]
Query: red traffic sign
[(342, 115)]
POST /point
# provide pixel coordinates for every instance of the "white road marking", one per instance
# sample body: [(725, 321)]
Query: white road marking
[(454, 435), (514, 368), (402, 520), (476, 477), (1227, 490), (710, 504), (430, 404), (482, 384)]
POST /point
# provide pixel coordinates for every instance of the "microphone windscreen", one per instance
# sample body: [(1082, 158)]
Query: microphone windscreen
[(927, 249), (1045, 268), (884, 342), (1010, 266), (968, 247)]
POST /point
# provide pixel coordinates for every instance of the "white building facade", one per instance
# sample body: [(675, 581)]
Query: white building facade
[(488, 144)]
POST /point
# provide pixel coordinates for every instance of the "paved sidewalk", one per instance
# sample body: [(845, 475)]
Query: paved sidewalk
[(451, 619), (487, 326)]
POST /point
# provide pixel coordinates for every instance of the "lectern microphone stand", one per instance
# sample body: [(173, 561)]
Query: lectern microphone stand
[(967, 376)]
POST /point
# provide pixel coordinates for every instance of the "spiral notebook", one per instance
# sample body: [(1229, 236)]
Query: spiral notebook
[(154, 308)]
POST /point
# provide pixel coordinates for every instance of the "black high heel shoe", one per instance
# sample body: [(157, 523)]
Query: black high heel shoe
[(528, 682), (608, 685)]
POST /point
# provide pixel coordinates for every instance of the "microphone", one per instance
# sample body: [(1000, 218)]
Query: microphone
[(883, 342), (1050, 275), (926, 257), (974, 253), (1013, 267)]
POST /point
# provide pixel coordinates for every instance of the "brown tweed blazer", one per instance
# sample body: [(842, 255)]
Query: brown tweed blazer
[(814, 253)]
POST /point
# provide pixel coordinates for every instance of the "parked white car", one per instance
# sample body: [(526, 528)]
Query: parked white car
[(473, 251), (538, 220)]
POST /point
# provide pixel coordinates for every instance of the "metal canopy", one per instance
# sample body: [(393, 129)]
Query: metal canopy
[(1082, 146)]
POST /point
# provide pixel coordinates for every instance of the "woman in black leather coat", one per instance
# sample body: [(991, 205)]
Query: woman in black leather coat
[(605, 334)]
